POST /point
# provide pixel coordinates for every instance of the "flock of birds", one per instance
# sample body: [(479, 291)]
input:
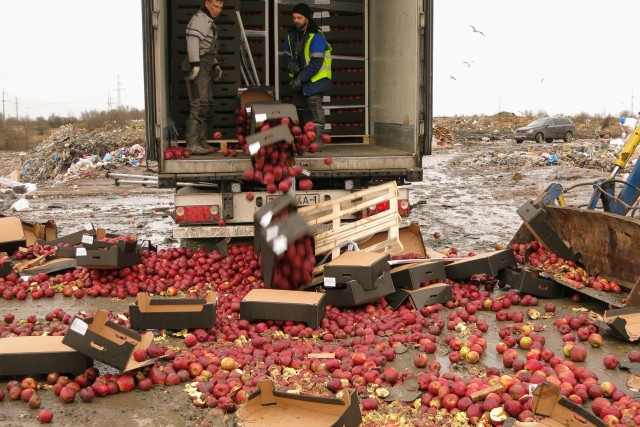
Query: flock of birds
[(468, 63)]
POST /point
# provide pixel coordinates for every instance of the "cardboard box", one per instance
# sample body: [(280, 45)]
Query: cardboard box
[(73, 238), (529, 282), (270, 407), (558, 410), (364, 268), (274, 135), (173, 313), (489, 263), (6, 268), (537, 221), (12, 235), (353, 294), (277, 304), (108, 342), (40, 355), (411, 276), (263, 216), (428, 295), (254, 95), (261, 112), (274, 240), (410, 237), (107, 259), (624, 323)]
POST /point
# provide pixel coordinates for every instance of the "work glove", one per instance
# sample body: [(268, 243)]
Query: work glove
[(293, 68), (217, 73), (295, 85), (194, 73)]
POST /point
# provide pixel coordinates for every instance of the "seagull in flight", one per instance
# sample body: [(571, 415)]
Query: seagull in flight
[(477, 31), (468, 63), (452, 78)]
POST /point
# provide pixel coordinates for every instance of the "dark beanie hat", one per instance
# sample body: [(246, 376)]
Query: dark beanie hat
[(303, 10)]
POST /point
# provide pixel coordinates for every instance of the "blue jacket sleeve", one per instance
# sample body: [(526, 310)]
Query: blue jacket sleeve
[(287, 56)]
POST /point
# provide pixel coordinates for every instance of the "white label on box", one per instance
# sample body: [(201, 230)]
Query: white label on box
[(79, 326), (327, 112), (327, 126), (329, 282), (81, 252), (272, 233), (306, 172), (325, 28), (531, 388), (266, 219), (87, 239), (254, 148), (25, 278), (261, 117), (326, 99), (280, 245)]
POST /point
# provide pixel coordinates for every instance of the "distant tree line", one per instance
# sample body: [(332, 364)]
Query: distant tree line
[(26, 133)]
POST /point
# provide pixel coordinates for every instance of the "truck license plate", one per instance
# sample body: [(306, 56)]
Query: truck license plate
[(308, 199)]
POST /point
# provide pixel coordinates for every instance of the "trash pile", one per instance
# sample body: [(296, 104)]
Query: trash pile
[(71, 152), (590, 155)]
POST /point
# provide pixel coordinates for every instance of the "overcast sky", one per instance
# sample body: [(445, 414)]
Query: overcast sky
[(561, 56)]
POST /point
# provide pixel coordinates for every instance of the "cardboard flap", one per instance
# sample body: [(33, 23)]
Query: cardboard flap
[(624, 322), (545, 397), (569, 413), (266, 392)]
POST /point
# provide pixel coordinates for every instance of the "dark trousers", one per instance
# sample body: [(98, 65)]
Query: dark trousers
[(200, 91), (309, 108)]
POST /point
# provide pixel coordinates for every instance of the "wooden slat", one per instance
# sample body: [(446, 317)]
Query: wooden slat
[(334, 213)]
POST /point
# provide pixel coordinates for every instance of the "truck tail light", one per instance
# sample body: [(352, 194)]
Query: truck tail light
[(197, 214), (404, 207)]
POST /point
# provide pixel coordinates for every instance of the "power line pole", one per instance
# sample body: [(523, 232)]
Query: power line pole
[(119, 90), (4, 115), (109, 102), (17, 115)]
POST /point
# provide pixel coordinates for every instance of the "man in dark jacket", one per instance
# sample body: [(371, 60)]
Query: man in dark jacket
[(307, 56), (200, 67)]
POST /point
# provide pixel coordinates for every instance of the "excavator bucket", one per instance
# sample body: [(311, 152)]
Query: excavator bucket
[(605, 244)]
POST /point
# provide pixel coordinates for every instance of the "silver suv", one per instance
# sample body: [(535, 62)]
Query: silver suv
[(546, 129)]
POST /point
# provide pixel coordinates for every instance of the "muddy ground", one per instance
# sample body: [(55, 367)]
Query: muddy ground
[(469, 198)]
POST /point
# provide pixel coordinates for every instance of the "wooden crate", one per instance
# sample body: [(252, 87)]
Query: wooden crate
[(333, 213)]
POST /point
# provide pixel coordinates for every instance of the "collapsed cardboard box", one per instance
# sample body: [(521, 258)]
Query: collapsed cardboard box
[(529, 282), (624, 323), (12, 234), (436, 293), (489, 263), (558, 410), (411, 276), (258, 94), (173, 313), (108, 342), (39, 265), (39, 230), (410, 236), (268, 407), (40, 355), (277, 304)]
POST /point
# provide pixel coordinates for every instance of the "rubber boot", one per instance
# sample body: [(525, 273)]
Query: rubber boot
[(191, 135), (202, 136), (318, 141)]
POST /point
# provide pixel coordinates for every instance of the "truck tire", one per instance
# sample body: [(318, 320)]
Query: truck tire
[(539, 138), (519, 141), (568, 136), (549, 140)]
